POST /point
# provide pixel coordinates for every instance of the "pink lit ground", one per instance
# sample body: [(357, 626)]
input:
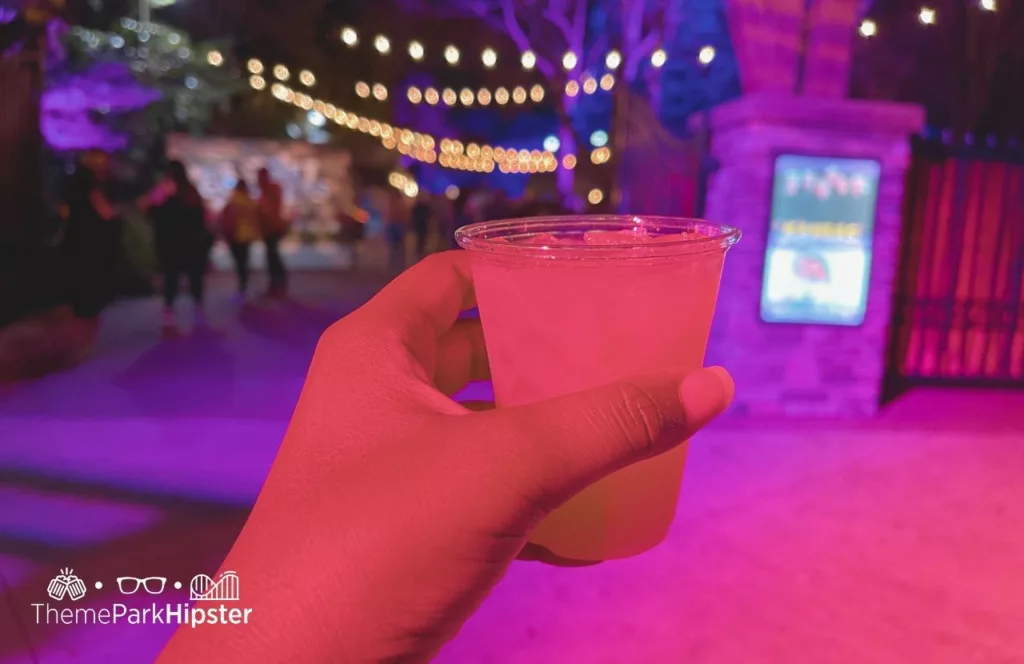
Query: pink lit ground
[(896, 540)]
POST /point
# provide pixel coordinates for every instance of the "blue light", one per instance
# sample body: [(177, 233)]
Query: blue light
[(551, 143), (599, 138), (191, 82)]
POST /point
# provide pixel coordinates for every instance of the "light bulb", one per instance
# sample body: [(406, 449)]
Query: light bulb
[(281, 73), (926, 16), (658, 58), (519, 95), (483, 96), (431, 96), (382, 44), (569, 61), (572, 88), (466, 96), (215, 58), (537, 93), (362, 89), (607, 82), (349, 36), (416, 50), (307, 78), (451, 54), (489, 57), (414, 95), (255, 66), (595, 196), (380, 92), (868, 28), (528, 59), (706, 55), (590, 85), (451, 192), (449, 96), (988, 5), (613, 60), (501, 96), (257, 82)]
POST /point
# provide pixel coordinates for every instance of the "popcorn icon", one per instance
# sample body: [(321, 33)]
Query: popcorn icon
[(66, 584)]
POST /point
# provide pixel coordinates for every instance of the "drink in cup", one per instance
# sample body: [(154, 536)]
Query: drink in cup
[(572, 303)]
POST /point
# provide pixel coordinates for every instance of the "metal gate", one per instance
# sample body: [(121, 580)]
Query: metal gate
[(959, 308)]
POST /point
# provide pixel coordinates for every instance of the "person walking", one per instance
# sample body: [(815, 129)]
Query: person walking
[(422, 214), (398, 219), (182, 239), (240, 225), (274, 225)]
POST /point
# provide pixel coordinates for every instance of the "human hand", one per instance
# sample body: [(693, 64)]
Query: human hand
[(390, 510)]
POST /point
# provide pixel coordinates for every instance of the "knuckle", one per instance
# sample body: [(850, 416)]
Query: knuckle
[(640, 416)]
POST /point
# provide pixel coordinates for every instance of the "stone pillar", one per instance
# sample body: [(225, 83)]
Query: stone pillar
[(803, 369)]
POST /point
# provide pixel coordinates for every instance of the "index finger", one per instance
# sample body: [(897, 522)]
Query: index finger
[(431, 293)]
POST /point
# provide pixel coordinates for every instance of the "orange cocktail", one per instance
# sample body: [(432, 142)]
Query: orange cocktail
[(570, 303)]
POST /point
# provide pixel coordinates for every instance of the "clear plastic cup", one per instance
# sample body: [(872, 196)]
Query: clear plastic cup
[(574, 302)]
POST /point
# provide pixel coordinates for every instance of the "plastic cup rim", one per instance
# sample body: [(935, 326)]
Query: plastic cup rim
[(484, 237)]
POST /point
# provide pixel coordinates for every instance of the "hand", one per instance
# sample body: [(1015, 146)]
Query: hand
[(390, 510)]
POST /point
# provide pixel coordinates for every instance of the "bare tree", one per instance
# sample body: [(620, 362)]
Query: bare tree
[(551, 28)]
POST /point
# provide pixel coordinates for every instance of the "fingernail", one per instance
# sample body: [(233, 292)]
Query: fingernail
[(705, 393)]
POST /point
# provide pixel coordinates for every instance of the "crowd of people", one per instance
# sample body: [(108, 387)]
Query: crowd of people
[(184, 231)]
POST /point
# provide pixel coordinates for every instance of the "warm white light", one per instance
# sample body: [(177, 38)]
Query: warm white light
[(706, 55), (868, 28), (411, 189), (316, 119), (466, 96), (528, 60), (590, 85), (362, 89), (569, 162), (519, 95), (451, 192), (569, 61), (658, 58), (489, 57), (572, 88), (414, 95), (380, 92), (988, 5), (279, 91), (307, 78), (257, 82), (449, 96), (501, 96), (255, 66), (431, 95), (595, 196), (281, 73), (451, 54), (349, 36), (483, 96), (926, 16), (382, 44), (607, 82), (551, 143), (416, 50), (537, 93), (613, 60), (215, 58)]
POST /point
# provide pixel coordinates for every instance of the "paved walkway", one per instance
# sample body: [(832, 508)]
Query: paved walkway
[(894, 540)]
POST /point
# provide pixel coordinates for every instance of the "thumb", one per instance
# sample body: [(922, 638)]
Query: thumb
[(561, 445)]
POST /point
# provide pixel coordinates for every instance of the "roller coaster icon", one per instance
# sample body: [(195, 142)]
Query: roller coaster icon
[(204, 589)]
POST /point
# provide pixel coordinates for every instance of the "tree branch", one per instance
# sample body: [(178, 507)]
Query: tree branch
[(637, 54), (557, 15), (515, 31)]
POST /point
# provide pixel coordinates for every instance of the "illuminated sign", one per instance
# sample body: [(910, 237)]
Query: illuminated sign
[(818, 259)]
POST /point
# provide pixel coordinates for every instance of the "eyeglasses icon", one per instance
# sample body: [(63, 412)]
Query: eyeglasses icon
[(129, 585)]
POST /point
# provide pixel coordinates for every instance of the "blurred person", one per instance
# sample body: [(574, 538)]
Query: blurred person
[(240, 225), (182, 239), (422, 215), (274, 225), (397, 222), (92, 236), (437, 498), (352, 224), (498, 207)]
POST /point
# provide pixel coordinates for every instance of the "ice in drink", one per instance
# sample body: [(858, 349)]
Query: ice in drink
[(577, 302)]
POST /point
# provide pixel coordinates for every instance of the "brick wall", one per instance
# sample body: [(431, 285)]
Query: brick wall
[(802, 369)]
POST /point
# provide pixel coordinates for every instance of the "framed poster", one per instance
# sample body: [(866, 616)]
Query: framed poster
[(817, 264)]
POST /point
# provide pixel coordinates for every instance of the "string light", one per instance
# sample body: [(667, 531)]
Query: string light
[(572, 88), (537, 93), (658, 58), (926, 16), (590, 85), (868, 28), (489, 57), (349, 36), (362, 89), (431, 96), (380, 93), (528, 59), (414, 95), (607, 82), (466, 96), (613, 60), (255, 66), (483, 96), (306, 78), (519, 94), (501, 96), (706, 55), (569, 61), (215, 58), (988, 5), (451, 54), (595, 196), (449, 96), (281, 73), (382, 44), (257, 82)]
